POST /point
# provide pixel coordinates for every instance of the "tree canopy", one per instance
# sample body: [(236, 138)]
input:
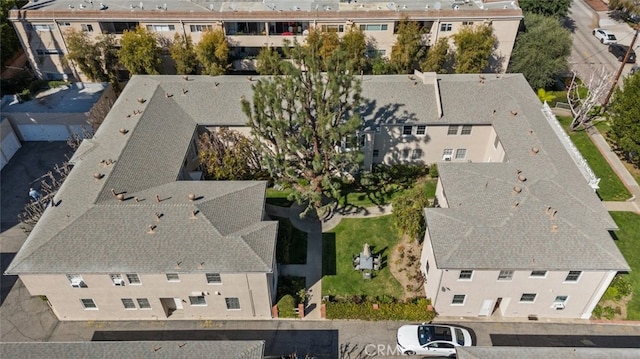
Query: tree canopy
[(228, 155), (556, 8), (475, 46), (624, 115), (302, 119), (409, 49), (140, 53), (354, 43), (213, 52), (541, 52), (438, 57), (98, 60), (182, 52), (9, 42)]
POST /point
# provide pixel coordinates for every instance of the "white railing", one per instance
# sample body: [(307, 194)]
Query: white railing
[(582, 164)]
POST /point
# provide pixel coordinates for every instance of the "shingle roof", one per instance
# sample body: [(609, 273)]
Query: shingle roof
[(544, 353), (131, 349), (91, 231), (487, 225)]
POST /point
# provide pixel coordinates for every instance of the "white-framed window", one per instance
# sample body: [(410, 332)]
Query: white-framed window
[(49, 52), (200, 28), (560, 299), (88, 304), (407, 130), (528, 297), (467, 23), (332, 28), (128, 303), (447, 153), (64, 23), (173, 277), (87, 27), (143, 303), (453, 130), (374, 27), (465, 275), (573, 276), (376, 153), (161, 27), (42, 27), (466, 130), (446, 27), (117, 279), (538, 274), (76, 280), (214, 278), (197, 300), (505, 275), (416, 154), (133, 278), (458, 299), (461, 153), (422, 129), (232, 303)]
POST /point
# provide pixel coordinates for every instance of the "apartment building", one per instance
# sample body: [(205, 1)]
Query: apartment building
[(250, 25)]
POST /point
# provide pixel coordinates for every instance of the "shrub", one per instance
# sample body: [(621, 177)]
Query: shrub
[(385, 299), (433, 170), (597, 312), (286, 306), (413, 310)]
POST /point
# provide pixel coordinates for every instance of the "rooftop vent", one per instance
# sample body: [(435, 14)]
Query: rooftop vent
[(157, 198), (554, 228), (120, 197), (152, 228), (103, 6), (185, 77), (178, 263), (521, 178), (517, 189), (141, 100), (193, 214), (191, 196), (514, 113), (534, 150), (98, 175), (123, 131), (157, 215), (515, 204)]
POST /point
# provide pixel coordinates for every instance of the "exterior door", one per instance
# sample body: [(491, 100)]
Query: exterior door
[(486, 307)]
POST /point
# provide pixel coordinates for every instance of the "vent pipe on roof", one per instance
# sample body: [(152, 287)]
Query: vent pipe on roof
[(178, 263), (157, 198), (152, 229), (517, 190), (514, 113), (193, 214), (120, 197), (191, 197), (534, 150), (157, 216), (521, 178), (136, 199), (123, 131), (98, 175), (185, 77), (113, 192), (515, 204), (141, 100), (554, 228)]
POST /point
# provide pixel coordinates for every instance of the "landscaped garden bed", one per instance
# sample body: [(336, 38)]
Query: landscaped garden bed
[(379, 308), (288, 295), (292, 243)]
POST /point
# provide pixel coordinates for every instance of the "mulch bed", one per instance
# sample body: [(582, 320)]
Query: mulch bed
[(597, 5)]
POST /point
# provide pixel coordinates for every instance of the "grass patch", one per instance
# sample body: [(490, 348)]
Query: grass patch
[(611, 188), (370, 199), (292, 243), (346, 240), (279, 197), (629, 244)]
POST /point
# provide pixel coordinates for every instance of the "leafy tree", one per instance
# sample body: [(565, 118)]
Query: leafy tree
[(474, 47), (541, 52), (269, 62), (438, 56), (556, 8), (624, 115), (546, 96), (301, 119), (9, 42), (228, 155), (409, 48), (380, 65), (139, 52), (86, 54), (182, 52), (407, 212), (213, 52), (354, 43)]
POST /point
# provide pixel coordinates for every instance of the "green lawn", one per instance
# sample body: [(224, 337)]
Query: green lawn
[(364, 199), (611, 188), (278, 198), (629, 244), (346, 240), (291, 247)]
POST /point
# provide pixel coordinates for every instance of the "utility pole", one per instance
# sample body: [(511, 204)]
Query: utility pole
[(624, 61)]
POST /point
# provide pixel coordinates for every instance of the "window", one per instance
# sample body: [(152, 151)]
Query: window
[(405, 153), (213, 278), (407, 130), (461, 153), (117, 279), (332, 28), (133, 279), (143, 303), (42, 27), (505, 275), (466, 130), (173, 277), (528, 297), (89, 304), (453, 130), (495, 143), (465, 274), (161, 27), (373, 53), (76, 280), (458, 299), (447, 153), (87, 27), (232, 303), (376, 153), (416, 154), (197, 300), (373, 27), (64, 24), (446, 27), (560, 299), (422, 129), (200, 28), (467, 23), (128, 303), (538, 273), (49, 52), (573, 276)]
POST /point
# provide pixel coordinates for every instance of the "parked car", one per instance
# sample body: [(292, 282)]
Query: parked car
[(619, 51), (605, 37), (432, 340)]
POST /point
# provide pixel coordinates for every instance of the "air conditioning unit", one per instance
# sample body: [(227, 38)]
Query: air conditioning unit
[(118, 281), (558, 306), (446, 157), (77, 283)]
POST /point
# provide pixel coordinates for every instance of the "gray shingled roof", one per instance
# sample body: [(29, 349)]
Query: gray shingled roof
[(545, 353), (149, 349), (91, 231), (483, 228)]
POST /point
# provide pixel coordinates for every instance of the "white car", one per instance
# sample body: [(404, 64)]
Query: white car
[(432, 340), (605, 37)]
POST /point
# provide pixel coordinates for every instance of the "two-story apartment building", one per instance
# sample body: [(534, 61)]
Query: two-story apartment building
[(249, 25)]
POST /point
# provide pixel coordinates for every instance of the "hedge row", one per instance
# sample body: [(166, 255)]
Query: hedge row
[(415, 311)]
